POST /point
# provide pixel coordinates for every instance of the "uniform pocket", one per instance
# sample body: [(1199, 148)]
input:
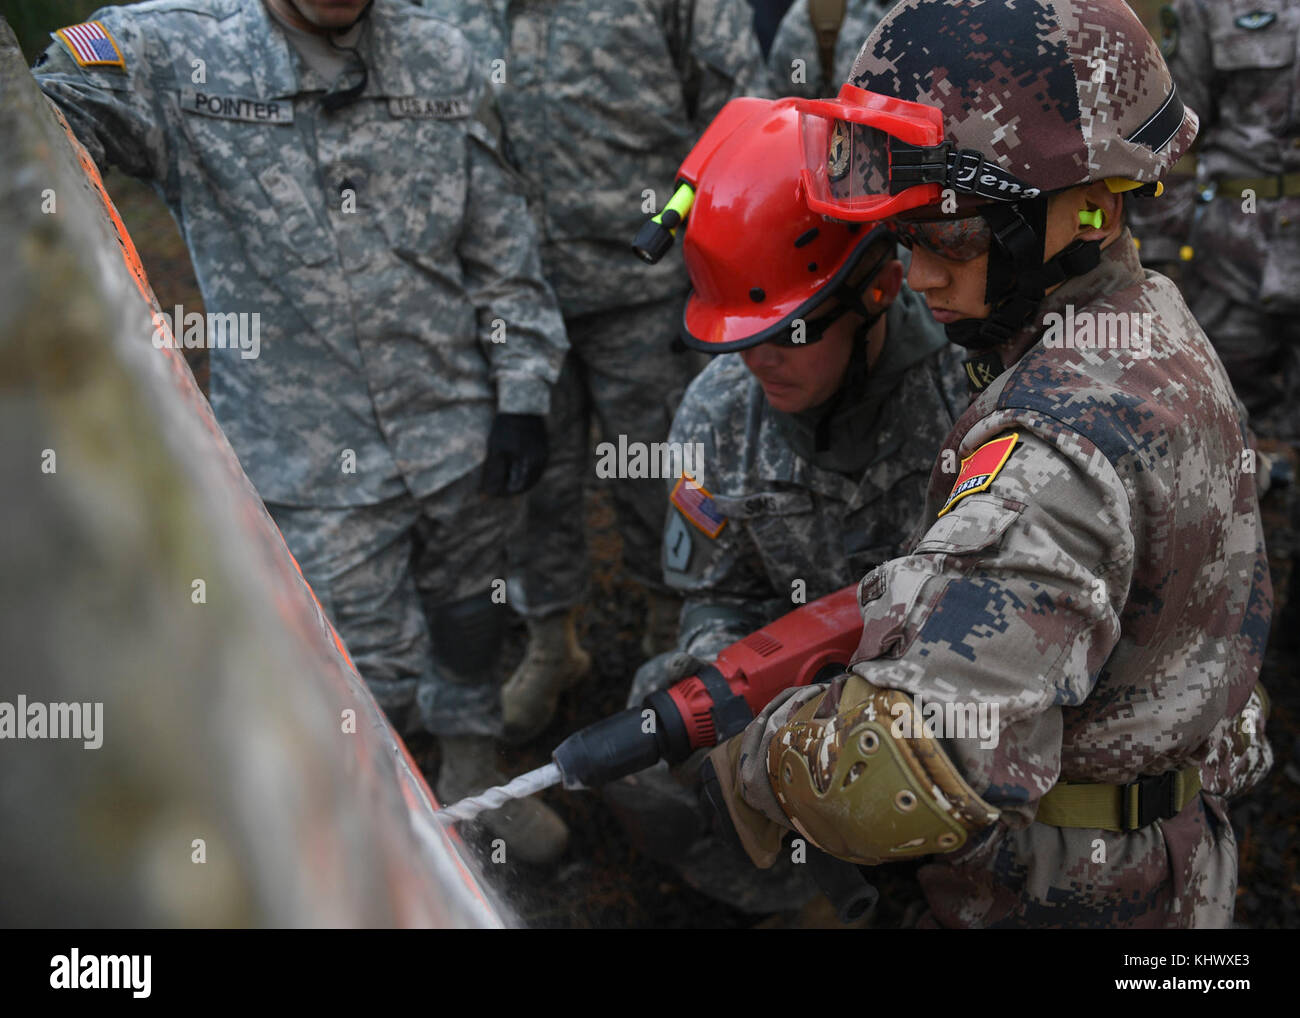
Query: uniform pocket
[(898, 596), (1242, 50), (420, 167), (979, 522), (253, 172), (1247, 65)]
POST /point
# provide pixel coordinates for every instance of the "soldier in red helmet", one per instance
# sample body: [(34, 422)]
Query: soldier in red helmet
[(815, 427)]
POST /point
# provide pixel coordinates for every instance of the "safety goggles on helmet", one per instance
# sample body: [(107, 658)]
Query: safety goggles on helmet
[(869, 156), (958, 240)]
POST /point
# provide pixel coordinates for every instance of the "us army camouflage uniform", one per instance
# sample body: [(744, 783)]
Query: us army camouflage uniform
[(369, 407), (795, 532), (796, 41), (600, 102), (1109, 593)]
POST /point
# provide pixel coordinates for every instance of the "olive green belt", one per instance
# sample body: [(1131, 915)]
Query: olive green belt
[(1284, 185), (1120, 807)]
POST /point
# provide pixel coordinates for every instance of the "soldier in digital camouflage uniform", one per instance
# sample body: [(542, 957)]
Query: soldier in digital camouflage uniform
[(1095, 568), (796, 59), (600, 102), (333, 172), (1233, 230), (814, 455)]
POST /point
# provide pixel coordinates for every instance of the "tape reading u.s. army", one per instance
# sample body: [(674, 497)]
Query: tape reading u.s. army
[(455, 108), (233, 107), (979, 468)]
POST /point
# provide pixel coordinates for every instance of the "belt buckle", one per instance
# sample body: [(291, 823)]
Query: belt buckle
[(1155, 800)]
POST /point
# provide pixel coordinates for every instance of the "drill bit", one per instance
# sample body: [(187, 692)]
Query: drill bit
[(494, 798)]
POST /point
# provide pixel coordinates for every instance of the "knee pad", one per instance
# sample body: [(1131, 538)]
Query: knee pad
[(467, 636)]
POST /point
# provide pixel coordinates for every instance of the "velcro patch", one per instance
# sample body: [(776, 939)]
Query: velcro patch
[(677, 544), (697, 505), (234, 107), (454, 108), (91, 45), (979, 468)]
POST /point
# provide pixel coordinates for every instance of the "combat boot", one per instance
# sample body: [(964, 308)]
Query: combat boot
[(553, 663), (661, 616), (531, 830)]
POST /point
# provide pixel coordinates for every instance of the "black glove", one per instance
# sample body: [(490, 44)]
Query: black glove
[(714, 806), (516, 454)]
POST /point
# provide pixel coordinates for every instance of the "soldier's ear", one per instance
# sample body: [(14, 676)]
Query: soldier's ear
[(1100, 213), (884, 288)]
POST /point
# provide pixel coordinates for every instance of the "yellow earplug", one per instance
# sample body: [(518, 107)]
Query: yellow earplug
[(1093, 218)]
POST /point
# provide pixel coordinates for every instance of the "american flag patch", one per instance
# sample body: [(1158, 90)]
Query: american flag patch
[(91, 45), (697, 505)]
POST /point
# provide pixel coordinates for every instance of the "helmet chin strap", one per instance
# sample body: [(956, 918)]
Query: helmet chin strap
[(822, 433), (1018, 278)]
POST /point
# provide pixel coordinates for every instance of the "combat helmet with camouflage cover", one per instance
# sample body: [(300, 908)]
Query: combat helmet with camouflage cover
[(976, 112)]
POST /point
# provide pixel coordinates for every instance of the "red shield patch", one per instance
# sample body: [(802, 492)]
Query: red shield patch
[(979, 468)]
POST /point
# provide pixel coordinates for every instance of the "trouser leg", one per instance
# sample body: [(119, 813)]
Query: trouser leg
[(548, 552), (460, 573), (1257, 349), (357, 560)]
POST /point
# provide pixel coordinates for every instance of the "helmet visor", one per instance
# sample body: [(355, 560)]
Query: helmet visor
[(848, 154)]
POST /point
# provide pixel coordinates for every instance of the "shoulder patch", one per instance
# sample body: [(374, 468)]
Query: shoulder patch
[(677, 544), (697, 505), (979, 468), (91, 45), (1255, 20)]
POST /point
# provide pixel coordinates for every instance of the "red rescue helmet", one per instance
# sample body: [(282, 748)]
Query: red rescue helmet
[(759, 259)]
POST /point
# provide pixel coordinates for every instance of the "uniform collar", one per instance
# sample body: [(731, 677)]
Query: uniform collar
[(271, 61), (273, 64), (380, 46)]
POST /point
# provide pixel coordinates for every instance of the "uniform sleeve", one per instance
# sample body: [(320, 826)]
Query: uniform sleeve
[(115, 112), (720, 55), (726, 592), (519, 323), (1010, 603)]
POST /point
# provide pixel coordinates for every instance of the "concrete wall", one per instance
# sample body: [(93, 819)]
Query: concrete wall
[(226, 731)]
